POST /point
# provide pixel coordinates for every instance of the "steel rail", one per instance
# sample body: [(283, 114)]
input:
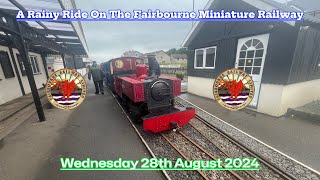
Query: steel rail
[(138, 133), (182, 154), (274, 168), (282, 173), (208, 153), (225, 153)]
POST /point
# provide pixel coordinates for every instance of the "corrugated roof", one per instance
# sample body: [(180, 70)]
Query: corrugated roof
[(53, 30)]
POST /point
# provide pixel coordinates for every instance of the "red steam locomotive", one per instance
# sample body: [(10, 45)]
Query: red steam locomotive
[(148, 97)]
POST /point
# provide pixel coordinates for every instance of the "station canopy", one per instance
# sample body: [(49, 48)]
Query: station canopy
[(67, 34)]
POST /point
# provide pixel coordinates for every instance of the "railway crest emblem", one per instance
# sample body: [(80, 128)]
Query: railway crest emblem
[(66, 89), (233, 89)]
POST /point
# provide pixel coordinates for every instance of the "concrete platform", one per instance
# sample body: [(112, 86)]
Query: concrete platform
[(309, 111), (96, 129), (294, 136)]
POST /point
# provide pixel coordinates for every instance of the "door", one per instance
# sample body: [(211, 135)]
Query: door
[(251, 54)]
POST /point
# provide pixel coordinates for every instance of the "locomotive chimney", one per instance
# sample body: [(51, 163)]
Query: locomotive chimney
[(154, 67)]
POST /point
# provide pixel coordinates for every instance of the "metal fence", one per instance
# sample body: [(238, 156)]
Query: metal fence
[(170, 70)]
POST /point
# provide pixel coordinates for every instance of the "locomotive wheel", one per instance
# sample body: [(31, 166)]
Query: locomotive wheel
[(124, 104), (134, 112), (172, 102)]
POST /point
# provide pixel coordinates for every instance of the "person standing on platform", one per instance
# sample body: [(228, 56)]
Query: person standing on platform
[(97, 76)]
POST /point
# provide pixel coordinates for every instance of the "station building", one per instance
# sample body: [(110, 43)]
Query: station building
[(9, 83), (283, 58), (50, 46)]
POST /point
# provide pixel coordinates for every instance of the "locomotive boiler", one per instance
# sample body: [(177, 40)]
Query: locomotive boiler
[(147, 96)]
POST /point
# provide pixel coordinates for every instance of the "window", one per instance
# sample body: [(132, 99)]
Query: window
[(198, 58), (205, 58), (34, 64), (251, 55), (210, 57), (6, 65), (21, 65)]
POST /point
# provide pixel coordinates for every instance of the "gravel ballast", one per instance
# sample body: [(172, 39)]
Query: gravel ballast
[(162, 149), (280, 160)]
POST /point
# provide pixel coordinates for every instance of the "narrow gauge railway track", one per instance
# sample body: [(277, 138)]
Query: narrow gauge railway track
[(193, 143), (265, 162), (166, 175), (204, 174), (137, 131), (201, 173), (246, 174), (182, 154)]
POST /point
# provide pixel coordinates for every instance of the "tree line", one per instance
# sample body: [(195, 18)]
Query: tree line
[(177, 51)]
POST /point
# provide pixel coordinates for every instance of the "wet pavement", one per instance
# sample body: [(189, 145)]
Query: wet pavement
[(313, 107), (294, 136), (308, 111), (97, 129)]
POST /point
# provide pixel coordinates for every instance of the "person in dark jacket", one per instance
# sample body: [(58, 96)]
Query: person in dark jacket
[(154, 67), (97, 74)]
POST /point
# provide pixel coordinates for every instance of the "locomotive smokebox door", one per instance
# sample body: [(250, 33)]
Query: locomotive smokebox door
[(158, 93), (160, 90)]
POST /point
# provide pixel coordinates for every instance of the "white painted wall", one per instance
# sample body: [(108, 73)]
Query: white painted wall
[(82, 71), (270, 99), (39, 78), (55, 63), (274, 99), (201, 86), (10, 88), (299, 94)]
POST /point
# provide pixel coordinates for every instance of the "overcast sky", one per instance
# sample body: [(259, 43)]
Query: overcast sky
[(108, 40)]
